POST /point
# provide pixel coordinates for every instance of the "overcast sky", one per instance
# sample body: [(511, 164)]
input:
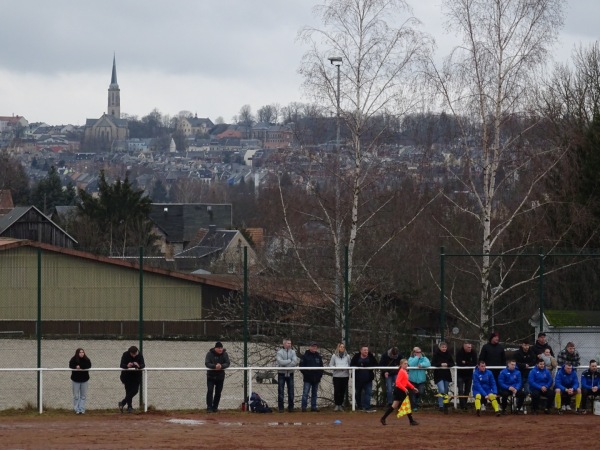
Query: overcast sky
[(207, 57)]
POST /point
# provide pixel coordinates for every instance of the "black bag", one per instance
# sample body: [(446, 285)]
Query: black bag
[(258, 405)]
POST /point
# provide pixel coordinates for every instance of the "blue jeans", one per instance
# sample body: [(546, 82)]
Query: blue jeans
[(79, 396), (308, 387), (390, 382), (415, 398), (442, 387), (282, 380), (363, 392)]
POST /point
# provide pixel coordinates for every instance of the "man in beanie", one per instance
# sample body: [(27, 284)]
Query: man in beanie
[(493, 354), (217, 361), (541, 344)]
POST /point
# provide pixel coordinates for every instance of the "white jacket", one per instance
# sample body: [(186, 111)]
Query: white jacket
[(340, 361), (286, 358)]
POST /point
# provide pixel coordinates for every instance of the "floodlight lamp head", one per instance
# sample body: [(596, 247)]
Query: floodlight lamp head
[(335, 60)]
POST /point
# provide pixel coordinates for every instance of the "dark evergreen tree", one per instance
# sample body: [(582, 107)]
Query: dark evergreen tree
[(116, 222), (49, 193), (159, 192)]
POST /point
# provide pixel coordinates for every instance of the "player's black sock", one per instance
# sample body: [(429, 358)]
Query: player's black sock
[(387, 412)]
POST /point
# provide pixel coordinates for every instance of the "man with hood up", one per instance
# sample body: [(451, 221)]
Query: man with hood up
[(493, 354)]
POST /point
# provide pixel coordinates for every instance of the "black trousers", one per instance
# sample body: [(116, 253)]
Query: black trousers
[(213, 393), (340, 386), (132, 387), (464, 383)]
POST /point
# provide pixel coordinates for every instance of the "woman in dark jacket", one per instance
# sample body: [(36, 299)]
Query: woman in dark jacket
[(79, 378), (442, 377)]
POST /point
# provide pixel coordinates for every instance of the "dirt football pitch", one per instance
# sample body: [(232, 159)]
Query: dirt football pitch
[(319, 430)]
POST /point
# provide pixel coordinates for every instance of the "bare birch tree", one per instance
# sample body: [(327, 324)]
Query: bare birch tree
[(380, 48), (486, 82)]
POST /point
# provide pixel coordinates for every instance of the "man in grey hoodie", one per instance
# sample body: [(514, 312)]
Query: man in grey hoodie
[(286, 357)]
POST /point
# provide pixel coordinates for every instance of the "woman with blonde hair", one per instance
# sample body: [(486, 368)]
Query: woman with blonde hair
[(340, 358)]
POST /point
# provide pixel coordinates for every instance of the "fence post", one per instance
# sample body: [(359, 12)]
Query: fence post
[(541, 289), (346, 302), (246, 325), (442, 295), (39, 327), (40, 390), (141, 319)]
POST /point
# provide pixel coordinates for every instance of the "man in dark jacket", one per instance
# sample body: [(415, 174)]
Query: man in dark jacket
[(590, 385), (465, 357), (493, 355), (391, 360), (217, 360), (312, 378), (541, 344), (526, 360), (364, 378), (132, 362)]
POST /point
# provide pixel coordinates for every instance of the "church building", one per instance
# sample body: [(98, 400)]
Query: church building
[(101, 134)]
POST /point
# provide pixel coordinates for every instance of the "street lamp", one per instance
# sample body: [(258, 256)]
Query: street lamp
[(337, 61)]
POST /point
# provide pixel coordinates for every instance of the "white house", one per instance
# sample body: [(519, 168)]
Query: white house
[(580, 327)]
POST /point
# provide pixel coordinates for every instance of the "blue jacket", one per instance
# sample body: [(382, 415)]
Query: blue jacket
[(566, 380), (538, 378), (590, 379), (483, 382), (311, 359), (418, 375), (509, 378)]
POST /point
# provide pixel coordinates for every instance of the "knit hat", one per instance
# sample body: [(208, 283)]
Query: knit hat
[(218, 344)]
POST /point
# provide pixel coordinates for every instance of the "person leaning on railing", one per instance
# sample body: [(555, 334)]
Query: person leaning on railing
[(417, 375)]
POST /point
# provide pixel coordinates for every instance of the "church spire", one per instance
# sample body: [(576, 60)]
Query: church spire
[(113, 79), (114, 93)]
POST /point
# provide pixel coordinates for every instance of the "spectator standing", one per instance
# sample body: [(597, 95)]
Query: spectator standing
[(510, 384), (132, 363), (493, 354), (312, 378), (541, 344), (590, 384), (568, 354), (364, 378), (390, 359), (526, 359), (217, 360), (400, 392), (442, 376), (484, 387), (566, 386), (550, 361), (465, 357), (340, 359), (80, 376), (286, 358), (417, 375), (540, 385)]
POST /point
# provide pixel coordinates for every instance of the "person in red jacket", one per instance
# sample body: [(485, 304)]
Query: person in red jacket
[(400, 392)]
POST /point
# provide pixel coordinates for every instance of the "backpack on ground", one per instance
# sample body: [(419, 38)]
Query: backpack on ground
[(258, 405)]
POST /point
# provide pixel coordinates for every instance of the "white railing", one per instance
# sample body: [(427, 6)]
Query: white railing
[(251, 371)]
